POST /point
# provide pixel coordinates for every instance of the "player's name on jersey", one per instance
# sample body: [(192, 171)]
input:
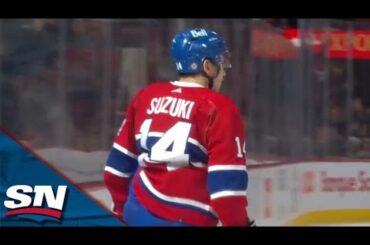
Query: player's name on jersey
[(174, 107)]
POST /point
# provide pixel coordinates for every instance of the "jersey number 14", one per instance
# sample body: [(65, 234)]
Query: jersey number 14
[(161, 151), (177, 136)]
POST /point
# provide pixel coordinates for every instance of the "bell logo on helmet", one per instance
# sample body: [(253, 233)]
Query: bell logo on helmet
[(192, 47), (199, 33)]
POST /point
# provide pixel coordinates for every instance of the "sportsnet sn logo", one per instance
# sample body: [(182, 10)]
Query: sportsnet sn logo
[(37, 203)]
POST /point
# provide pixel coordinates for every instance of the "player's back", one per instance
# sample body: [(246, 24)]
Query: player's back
[(170, 111), (171, 124)]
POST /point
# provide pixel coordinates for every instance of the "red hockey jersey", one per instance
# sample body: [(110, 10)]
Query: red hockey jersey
[(183, 145)]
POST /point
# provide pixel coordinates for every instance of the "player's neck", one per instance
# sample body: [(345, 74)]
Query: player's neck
[(195, 79)]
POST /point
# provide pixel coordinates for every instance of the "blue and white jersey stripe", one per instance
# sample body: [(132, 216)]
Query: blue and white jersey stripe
[(175, 201), (227, 180), (124, 150), (116, 172), (197, 153), (121, 162)]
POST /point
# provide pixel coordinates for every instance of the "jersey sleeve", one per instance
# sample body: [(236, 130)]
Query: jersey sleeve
[(227, 171), (122, 162)]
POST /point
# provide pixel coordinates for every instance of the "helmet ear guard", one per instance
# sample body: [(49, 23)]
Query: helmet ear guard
[(191, 47)]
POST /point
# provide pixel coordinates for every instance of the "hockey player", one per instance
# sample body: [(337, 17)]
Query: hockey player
[(179, 157)]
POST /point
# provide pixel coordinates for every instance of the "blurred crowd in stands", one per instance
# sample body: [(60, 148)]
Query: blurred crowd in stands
[(62, 85)]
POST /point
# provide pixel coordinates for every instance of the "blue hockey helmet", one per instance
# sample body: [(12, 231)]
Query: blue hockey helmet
[(191, 47)]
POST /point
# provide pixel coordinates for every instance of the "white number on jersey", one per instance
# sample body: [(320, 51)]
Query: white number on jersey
[(239, 148), (177, 136), (121, 127)]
